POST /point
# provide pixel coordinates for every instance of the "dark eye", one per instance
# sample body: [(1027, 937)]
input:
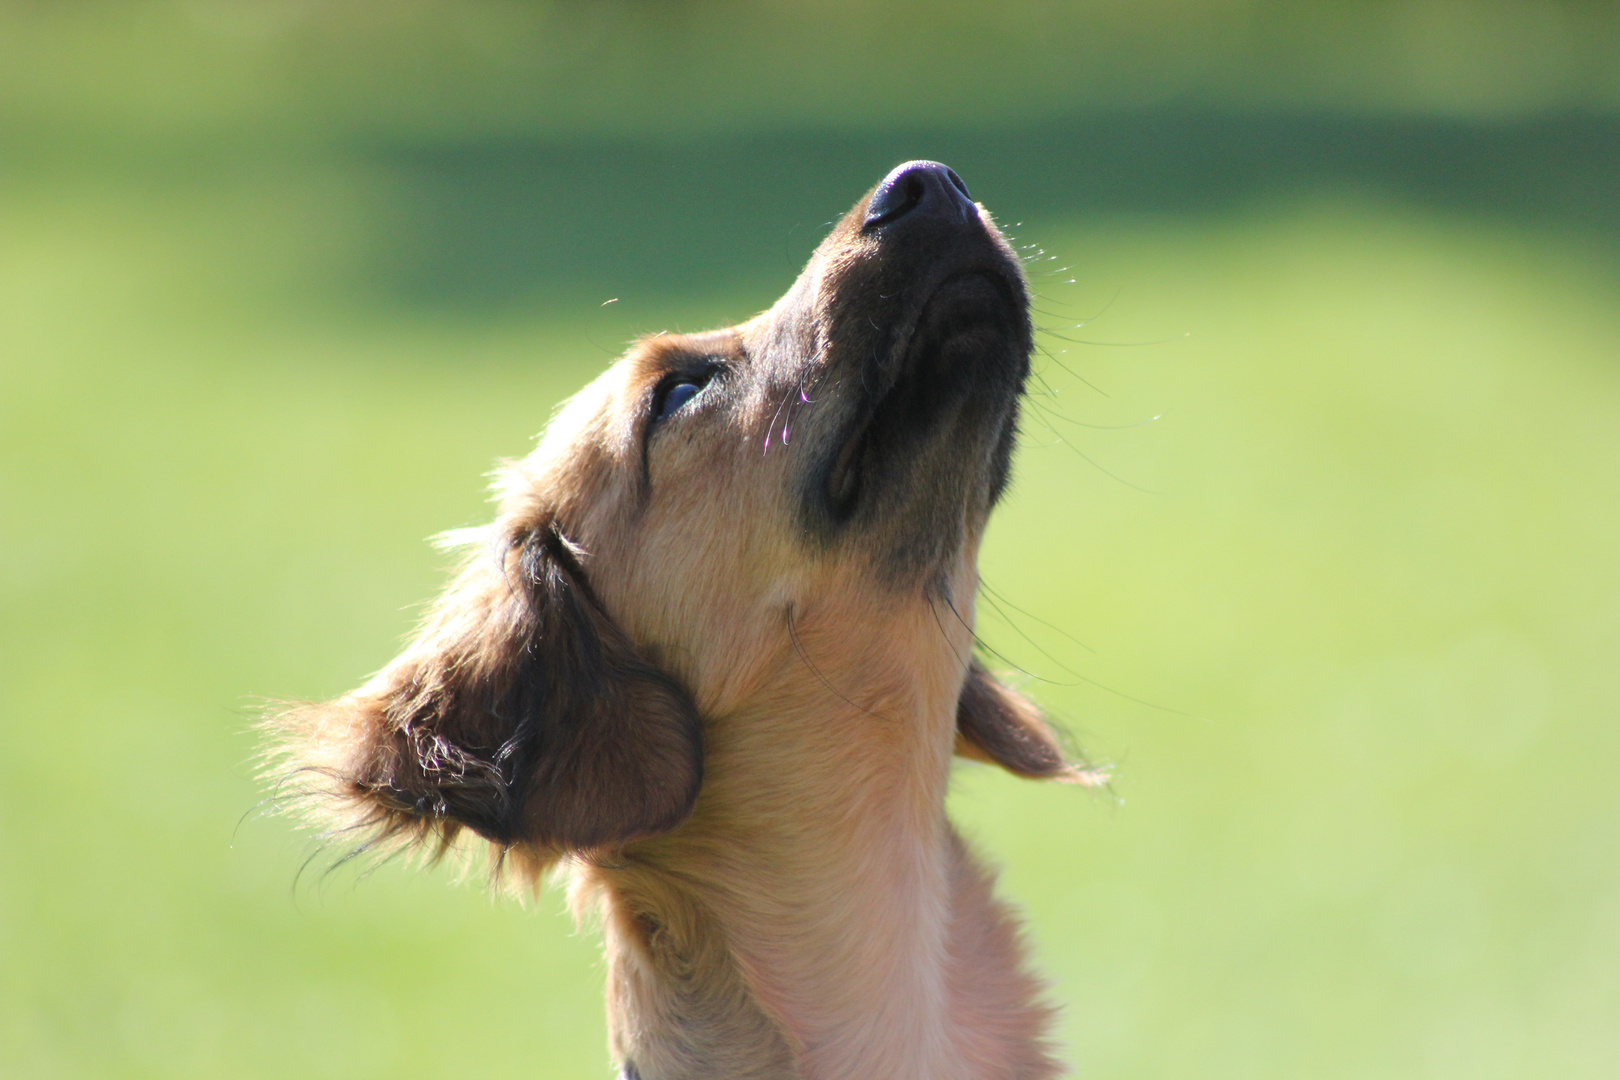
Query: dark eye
[(677, 395)]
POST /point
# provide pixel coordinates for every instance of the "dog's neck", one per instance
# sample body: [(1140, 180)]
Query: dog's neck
[(817, 917)]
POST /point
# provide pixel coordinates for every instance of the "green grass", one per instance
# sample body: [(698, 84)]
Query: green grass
[(1366, 827)]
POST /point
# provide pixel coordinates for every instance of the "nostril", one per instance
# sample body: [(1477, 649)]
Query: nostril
[(896, 198), (919, 186)]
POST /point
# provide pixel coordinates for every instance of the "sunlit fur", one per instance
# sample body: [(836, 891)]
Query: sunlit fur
[(724, 710)]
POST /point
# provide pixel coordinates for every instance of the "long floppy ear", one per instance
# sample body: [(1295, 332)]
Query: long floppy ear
[(521, 711), (997, 724)]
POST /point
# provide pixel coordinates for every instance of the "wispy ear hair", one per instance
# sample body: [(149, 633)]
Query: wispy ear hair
[(521, 711)]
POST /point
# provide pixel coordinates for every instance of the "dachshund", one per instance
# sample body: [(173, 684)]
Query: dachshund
[(712, 660)]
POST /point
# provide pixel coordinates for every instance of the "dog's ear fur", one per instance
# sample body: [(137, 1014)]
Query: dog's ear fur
[(997, 724), (521, 712)]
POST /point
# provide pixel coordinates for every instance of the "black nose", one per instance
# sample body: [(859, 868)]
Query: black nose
[(919, 188)]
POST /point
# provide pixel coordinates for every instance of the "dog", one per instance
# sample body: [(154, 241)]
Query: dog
[(713, 658)]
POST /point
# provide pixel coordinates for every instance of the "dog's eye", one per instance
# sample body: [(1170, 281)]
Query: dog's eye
[(676, 395)]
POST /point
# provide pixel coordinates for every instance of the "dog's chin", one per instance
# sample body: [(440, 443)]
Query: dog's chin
[(954, 389)]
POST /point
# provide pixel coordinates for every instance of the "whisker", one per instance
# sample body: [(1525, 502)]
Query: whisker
[(1118, 344), (1050, 355), (1104, 427), (993, 651), (1092, 462), (987, 587), (798, 646), (1033, 643)]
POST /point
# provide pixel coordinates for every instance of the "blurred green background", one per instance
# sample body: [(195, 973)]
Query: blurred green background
[(1319, 547)]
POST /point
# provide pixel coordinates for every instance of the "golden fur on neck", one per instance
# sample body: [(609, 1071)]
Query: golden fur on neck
[(819, 878)]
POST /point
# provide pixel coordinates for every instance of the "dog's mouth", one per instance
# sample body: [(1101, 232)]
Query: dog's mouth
[(965, 354)]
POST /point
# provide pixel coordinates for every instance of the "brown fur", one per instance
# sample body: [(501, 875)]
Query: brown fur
[(717, 665)]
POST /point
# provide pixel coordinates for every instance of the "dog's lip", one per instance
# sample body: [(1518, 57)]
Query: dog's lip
[(842, 478)]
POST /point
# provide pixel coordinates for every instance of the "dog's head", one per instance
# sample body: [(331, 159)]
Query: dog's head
[(650, 557)]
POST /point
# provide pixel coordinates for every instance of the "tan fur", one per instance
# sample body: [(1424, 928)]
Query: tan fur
[(649, 613)]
